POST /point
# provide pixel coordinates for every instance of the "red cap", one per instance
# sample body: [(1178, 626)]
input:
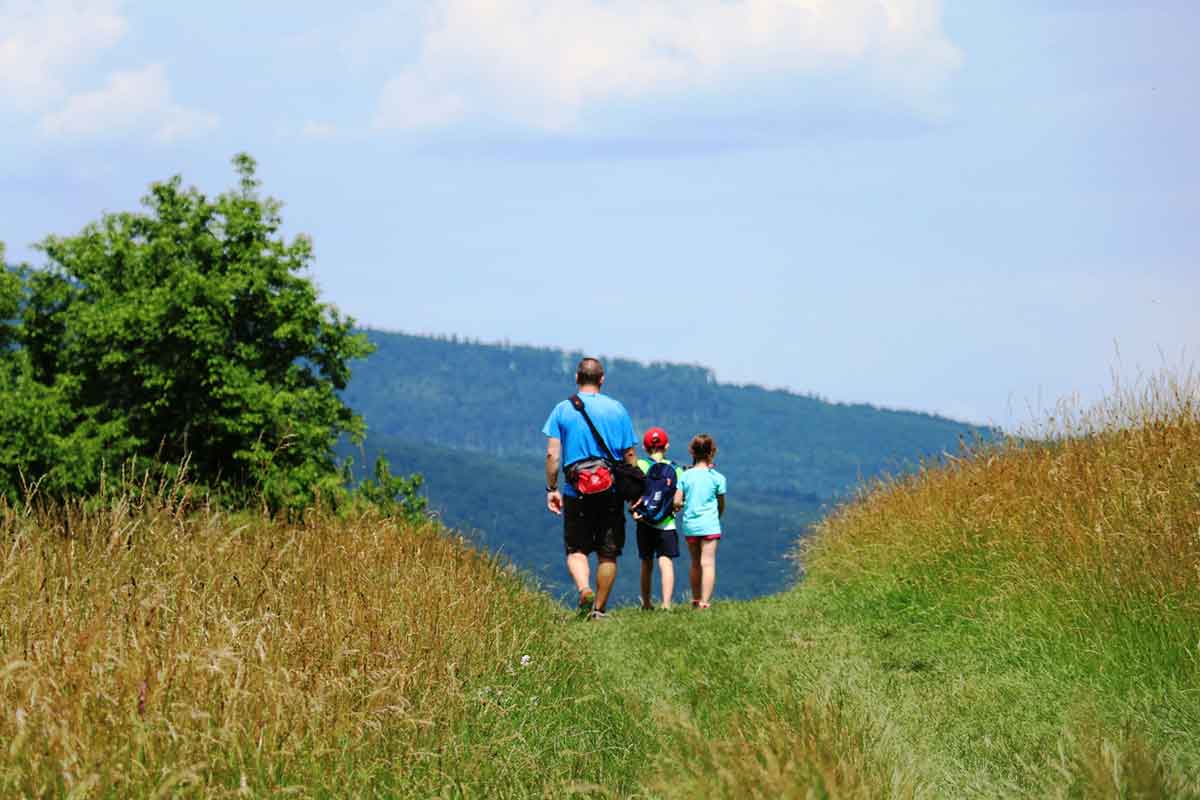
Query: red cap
[(655, 439)]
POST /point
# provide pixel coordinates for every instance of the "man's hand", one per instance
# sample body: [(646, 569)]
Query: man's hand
[(554, 501)]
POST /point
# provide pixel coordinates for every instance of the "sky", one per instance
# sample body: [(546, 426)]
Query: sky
[(967, 208)]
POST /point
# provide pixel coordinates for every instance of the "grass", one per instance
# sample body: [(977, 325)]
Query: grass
[(1018, 622), (157, 650)]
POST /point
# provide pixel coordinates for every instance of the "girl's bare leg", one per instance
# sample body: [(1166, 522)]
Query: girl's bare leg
[(708, 563), (694, 569), (666, 573)]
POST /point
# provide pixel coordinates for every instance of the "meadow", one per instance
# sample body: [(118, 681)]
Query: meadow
[(1018, 621), (155, 649)]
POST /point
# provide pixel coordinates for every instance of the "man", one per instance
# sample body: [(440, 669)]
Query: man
[(591, 523)]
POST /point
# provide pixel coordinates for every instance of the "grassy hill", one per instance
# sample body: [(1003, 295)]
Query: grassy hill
[(469, 416), (155, 649), (1021, 623), (1018, 624)]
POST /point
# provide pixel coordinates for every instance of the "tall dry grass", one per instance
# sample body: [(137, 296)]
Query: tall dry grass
[(1106, 499), (153, 649), (795, 751), (1056, 576)]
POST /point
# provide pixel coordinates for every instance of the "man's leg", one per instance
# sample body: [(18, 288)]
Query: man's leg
[(606, 573), (581, 573), (647, 569), (708, 562), (609, 541), (578, 542), (666, 573), (694, 570)]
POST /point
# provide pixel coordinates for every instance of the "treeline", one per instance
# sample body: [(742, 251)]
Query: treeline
[(493, 399), (183, 340)]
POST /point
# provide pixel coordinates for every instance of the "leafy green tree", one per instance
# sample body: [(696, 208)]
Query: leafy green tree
[(45, 445), (190, 333), (394, 495)]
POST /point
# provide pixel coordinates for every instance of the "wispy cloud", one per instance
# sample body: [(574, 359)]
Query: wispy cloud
[(132, 101), (314, 129), (546, 65), (43, 41)]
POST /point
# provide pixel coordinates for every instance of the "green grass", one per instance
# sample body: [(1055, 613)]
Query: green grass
[(940, 695), (1021, 623)]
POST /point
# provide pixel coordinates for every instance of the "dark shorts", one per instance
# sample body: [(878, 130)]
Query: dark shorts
[(656, 542), (594, 524)]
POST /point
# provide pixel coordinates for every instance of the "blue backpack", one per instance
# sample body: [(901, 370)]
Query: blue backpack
[(662, 479)]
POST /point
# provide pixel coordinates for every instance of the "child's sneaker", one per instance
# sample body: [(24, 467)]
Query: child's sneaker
[(598, 616)]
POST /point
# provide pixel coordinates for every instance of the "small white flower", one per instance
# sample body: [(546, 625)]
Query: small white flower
[(525, 661)]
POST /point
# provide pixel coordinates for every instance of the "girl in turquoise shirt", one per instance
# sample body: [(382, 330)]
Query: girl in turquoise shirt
[(701, 497)]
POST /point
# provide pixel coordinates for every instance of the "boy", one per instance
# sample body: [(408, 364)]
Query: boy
[(657, 540)]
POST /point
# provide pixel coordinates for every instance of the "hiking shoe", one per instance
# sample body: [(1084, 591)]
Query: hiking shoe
[(598, 616), (586, 598)]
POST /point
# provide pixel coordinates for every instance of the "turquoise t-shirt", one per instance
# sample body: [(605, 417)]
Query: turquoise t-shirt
[(700, 487)]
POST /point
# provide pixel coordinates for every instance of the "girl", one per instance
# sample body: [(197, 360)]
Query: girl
[(701, 496)]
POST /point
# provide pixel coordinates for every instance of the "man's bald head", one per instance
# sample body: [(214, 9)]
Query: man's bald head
[(590, 372)]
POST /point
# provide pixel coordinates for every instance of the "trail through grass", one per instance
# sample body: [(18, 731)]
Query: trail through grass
[(836, 692), (1022, 623)]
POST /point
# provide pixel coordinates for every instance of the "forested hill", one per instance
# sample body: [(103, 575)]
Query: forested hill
[(787, 456)]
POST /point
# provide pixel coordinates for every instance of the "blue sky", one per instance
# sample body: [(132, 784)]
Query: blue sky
[(958, 207)]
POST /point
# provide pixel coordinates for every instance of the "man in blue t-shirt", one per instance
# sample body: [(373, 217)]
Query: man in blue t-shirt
[(593, 523)]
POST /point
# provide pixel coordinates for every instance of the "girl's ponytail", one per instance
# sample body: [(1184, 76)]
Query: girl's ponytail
[(702, 447)]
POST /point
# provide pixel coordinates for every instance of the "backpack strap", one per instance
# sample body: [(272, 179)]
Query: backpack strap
[(577, 402)]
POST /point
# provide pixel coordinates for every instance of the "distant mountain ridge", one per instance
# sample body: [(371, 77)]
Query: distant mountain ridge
[(469, 415)]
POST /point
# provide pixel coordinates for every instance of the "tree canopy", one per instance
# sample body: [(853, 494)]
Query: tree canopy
[(186, 333)]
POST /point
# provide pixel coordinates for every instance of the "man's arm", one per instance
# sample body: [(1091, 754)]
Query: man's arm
[(554, 500)]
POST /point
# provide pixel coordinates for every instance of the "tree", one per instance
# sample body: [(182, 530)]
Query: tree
[(190, 333), (44, 442)]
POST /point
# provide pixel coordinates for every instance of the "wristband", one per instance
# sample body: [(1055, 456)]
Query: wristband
[(551, 488)]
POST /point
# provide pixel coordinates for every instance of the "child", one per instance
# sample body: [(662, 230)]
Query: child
[(701, 496), (657, 540)]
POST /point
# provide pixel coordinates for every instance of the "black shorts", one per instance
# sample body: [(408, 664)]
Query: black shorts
[(594, 524), (656, 542)]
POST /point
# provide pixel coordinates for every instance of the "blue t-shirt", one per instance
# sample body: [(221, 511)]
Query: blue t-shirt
[(568, 426), (700, 487)]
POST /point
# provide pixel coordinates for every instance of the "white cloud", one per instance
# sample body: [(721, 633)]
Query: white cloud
[(41, 41), (134, 100), (313, 129), (544, 64)]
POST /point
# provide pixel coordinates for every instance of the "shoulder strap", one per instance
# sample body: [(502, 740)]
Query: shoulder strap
[(577, 402)]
